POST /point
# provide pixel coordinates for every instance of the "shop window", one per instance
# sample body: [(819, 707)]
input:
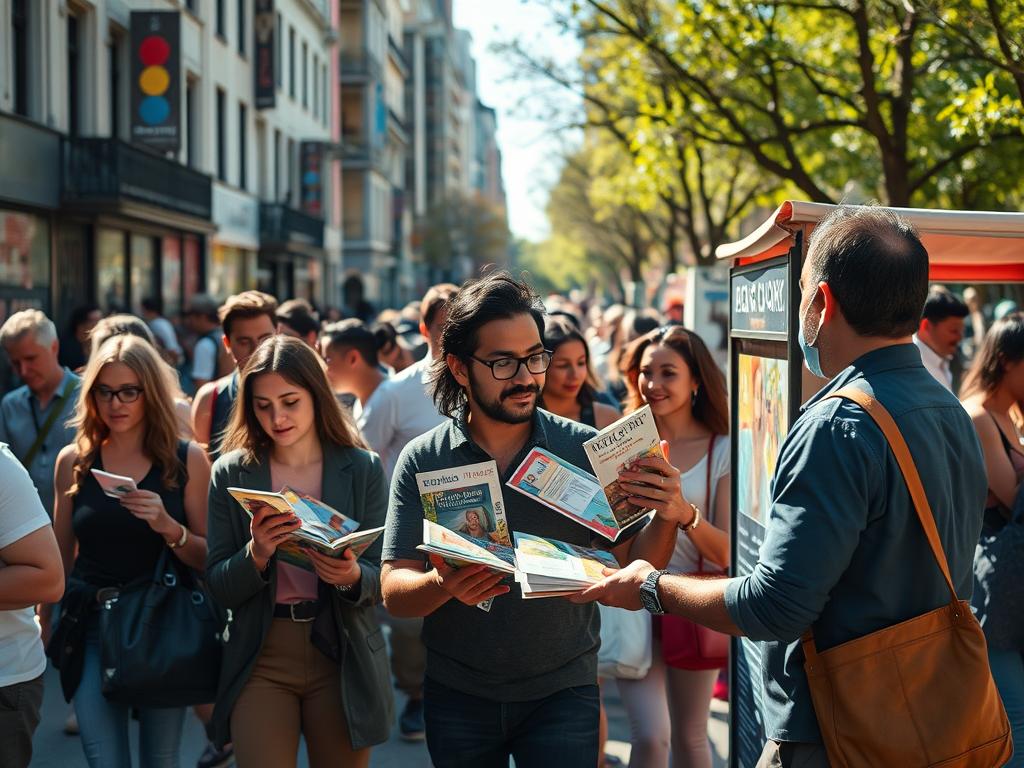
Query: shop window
[(170, 275), (24, 251), (143, 270), (110, 270), (192, 267), (227, 271)]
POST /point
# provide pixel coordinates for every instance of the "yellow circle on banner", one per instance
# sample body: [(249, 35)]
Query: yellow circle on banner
[(154, 80)]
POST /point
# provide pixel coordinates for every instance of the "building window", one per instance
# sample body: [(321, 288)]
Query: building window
[(191, 131), (191, 5), (243, 146), (316, 88), (115, 88), (241, 27), (326, 96), (290, 196), (305, 76), (291, 62), (74, 92), (278, 186), (279, 45), (19, 43), (222, 29), (222, 148)]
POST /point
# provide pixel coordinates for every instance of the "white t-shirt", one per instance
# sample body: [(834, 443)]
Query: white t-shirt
[(685, 557), (164, 332), (21, 513), (398, 410), (204, 359)]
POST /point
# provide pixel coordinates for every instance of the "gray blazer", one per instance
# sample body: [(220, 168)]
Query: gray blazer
[(353, 483)]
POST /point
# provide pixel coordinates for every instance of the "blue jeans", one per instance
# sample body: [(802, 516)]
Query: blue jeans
[(104, 724), (1008, 672), (465, 731)]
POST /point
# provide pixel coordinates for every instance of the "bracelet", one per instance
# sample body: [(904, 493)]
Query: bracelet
[(693, 523), (180, 542)]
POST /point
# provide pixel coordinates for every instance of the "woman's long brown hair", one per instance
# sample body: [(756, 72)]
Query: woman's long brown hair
[(298, 364), (160, 440), (712, 406)]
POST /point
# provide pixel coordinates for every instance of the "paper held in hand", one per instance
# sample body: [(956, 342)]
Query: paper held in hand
[(552, 568), (466, 500), (595, 502), (323, 528), (114, 486), (459, 550)]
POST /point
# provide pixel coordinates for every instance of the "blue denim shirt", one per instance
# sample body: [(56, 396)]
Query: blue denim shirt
[(843, 548), (21, 418)]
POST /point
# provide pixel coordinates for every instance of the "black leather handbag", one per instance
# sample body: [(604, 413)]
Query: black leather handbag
[(160, 640)]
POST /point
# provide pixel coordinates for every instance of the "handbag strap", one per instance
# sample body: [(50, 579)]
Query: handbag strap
[(56, 410), (894, 437), (707, 496)]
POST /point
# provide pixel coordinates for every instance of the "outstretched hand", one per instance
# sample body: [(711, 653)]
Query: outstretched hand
[(619, 588)]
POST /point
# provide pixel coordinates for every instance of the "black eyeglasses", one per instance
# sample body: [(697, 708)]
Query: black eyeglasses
[(124, 394), (505, 368)]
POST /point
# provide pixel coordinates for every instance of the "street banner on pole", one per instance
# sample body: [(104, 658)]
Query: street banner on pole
[(156, 79), (311, 185), (264, 21)]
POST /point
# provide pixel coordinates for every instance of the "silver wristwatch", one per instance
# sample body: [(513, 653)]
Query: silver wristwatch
[(649, 593)]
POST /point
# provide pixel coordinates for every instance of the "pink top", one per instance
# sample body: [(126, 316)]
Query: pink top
[(294, 584)]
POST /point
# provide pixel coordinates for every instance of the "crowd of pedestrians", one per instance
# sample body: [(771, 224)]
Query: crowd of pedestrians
[(249, 393)]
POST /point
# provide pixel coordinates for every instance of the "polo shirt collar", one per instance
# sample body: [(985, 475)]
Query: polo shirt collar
[(58, 394), (873, 362)]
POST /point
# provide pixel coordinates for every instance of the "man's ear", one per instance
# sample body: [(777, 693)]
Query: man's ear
[(424, 331), (225, 341), (458, 368), (825, 295), (55, 347)]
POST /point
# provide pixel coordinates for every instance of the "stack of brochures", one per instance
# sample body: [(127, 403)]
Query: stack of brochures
[(542, 567), (551, 568), (323, 528)]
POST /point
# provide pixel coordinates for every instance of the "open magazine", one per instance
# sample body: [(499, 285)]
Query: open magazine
[(466, 500), (595, 502), (323, 528), (542, 567), (552, 568)]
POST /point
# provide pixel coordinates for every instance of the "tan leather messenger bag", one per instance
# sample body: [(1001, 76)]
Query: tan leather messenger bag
[(916, 694)]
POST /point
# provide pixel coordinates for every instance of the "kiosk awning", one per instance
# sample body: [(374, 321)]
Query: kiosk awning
[(962, 245)]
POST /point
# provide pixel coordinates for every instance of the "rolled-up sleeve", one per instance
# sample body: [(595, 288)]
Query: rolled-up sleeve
[(821, 497)]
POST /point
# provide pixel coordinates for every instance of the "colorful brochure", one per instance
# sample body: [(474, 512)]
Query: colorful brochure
[(567, 489), (114, 486), (618, 447), (552, 568), (323, 528), (466, 500), (459, 550)]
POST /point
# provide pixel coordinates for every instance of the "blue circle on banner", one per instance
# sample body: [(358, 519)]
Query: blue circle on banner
[(311, 177), (154, 110)]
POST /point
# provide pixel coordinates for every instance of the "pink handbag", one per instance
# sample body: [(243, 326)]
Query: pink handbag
[(684, 643)]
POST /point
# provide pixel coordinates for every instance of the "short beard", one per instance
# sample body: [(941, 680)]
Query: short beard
[(495, 409)]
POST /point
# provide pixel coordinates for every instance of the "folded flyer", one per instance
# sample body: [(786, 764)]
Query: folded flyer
[(460, 550), (618, 447), (552, 568), (466, 500), (567, 489), (114, 486), (323, 527)]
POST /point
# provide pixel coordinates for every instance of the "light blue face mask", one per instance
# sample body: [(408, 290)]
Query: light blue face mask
[(811, 359)]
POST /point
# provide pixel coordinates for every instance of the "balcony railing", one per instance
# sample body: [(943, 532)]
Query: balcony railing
[(281, 225), (101, 169), (357, 150), (358, 64)]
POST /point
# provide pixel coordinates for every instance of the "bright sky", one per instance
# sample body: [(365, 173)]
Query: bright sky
[(529, 145)]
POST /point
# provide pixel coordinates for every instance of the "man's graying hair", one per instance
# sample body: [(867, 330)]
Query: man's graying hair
[(876, 267), (497, 296), (28, 321)]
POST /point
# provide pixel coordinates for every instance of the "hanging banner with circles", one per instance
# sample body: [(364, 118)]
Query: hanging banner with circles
[(156, 79)]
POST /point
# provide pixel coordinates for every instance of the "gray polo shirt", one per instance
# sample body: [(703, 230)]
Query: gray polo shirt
[(21, 418), (844, 552), (522, 649)]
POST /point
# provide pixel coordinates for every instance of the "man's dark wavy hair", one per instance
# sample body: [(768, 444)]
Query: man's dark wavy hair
[(496, 296)]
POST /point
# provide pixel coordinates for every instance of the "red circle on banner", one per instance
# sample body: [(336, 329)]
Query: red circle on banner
[(154, 50)]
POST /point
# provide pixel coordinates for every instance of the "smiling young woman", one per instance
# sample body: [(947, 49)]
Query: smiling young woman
[(287, 429)]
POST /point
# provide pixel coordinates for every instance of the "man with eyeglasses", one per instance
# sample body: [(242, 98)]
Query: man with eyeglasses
[(519, 681)]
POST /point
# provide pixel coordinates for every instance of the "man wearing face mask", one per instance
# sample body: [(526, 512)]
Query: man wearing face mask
[(843, 550)]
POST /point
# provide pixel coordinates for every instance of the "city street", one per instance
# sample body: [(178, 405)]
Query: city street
[(54, 749)]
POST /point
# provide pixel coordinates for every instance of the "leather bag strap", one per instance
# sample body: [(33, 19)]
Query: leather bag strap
[(892, 433), (707, 497)]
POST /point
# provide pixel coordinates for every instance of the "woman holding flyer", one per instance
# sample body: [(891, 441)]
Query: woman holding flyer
[(570, 388), (305, 655), (126, 490), (671, 370)]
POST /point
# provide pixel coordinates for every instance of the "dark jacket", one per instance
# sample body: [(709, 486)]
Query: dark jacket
[(353, 483)]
